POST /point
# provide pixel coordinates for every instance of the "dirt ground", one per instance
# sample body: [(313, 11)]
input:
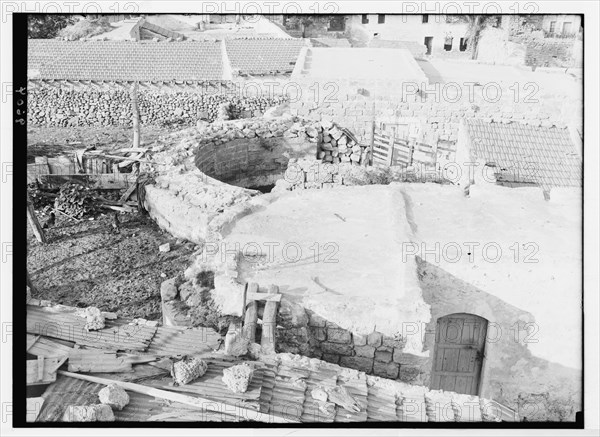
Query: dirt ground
[(89, 264), (54, 141)]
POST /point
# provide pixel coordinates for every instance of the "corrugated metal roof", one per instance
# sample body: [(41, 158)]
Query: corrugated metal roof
[(125, 60), (181, 341), (527, 154), (66, 325)]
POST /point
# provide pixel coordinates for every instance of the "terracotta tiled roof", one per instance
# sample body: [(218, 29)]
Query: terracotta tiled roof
[(264, 55), (125, 60), (527, 154)]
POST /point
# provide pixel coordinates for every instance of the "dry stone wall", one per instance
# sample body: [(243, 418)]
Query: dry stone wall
[(50, 106)]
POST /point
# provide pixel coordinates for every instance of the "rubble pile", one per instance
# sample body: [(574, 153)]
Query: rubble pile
[(336, 147)]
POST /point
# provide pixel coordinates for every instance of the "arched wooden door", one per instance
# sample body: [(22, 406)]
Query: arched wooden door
[(458, 353)]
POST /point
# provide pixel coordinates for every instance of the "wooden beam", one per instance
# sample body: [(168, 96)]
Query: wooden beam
[(194, 401), (251, 313), (269, 323), (35, 224), (263, 297)]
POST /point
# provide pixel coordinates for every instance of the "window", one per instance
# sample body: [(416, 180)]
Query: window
[(448, 43), (365, 19), (566, 28), (552, 26), (337, 23), (381, 18), (464, 42), (425, 18)]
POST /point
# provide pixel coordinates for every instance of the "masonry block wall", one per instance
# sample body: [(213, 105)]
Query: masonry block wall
[(304, 332), (439, 108)]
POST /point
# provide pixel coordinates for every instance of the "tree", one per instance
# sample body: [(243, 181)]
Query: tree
[(299, 21), (476, 25), (47, 26)]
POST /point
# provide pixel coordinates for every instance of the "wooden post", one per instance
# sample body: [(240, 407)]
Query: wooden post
[(372, 146), (269, 323), (251, 315), (136, 115), (391, 145), (35, 224)]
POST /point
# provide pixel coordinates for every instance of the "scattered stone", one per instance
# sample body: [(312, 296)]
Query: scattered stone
[(235, 343), (164, 247), (114, 396), (237, 378), (168, 290), (94, 319), (187, 370), (89, 413), (319, 394)]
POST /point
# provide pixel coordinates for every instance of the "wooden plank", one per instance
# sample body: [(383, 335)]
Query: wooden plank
[(251, 315), (264, 297), (41, 371), (197, 402), (34, 406), (97, 361), (35, 224), (269, 323)]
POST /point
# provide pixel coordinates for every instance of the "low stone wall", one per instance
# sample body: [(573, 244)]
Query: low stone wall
[(550, 53), (303, 331), (52, 106)]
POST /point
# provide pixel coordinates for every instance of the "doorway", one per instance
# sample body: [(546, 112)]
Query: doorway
[(428, 44), (459, 353)]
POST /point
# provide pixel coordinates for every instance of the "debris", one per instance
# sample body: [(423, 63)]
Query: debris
[(340, 396), (88, 413), (319, 394), (95, 319), (50, 222), (235, 342), (200, 403), (327, 408), (188, 369), (164, 247), (97, 361), (237, 378), (114, 396), (115, 223)]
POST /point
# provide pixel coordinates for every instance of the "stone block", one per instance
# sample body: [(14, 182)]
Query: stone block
[(316, 320), (383, 356), (168, 290), (330, 358), (336, 348), (338, 335), (409, 373), (408, 359), (365, 351), (375, 339), (358, 339), (386, 370), (358, 363), (393, 343), (318, 333)]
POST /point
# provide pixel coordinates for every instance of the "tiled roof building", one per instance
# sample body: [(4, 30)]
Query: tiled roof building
[(264, 55), (525, 154), (125, 60)]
